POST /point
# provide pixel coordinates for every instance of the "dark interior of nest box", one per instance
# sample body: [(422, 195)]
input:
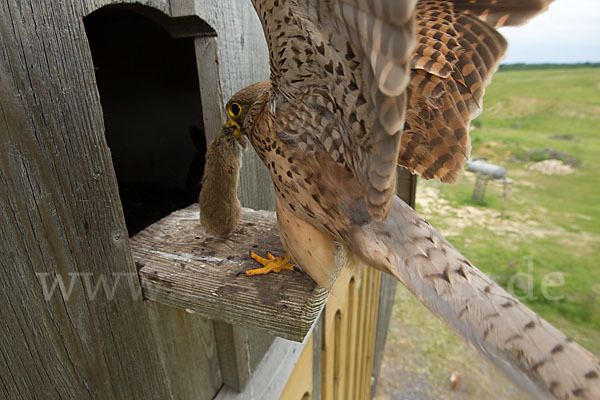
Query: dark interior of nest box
[(148, 86)]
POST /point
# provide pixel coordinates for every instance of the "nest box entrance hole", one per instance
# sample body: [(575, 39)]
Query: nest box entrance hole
[(150, 96)]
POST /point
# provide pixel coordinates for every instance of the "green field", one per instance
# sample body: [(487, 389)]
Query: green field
[(552, 225)]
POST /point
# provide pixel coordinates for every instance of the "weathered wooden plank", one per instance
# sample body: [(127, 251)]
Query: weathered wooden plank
[(217, 58), (406, 185), (300, 383), (243, 52), (272, 374), (178, 25), (180, 8), (238, 55), (182, 266), (387, 294), (210, 86), (243, 60), (240, 351), (353, 328), (188, 351), (60, 218), (371, 334), (317, 361)]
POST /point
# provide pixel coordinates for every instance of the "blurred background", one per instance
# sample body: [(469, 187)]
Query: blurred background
[(541, 122)]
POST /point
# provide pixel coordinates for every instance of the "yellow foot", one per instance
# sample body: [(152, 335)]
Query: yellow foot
[(270, 264)]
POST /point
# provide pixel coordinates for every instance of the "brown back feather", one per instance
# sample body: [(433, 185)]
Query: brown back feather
[(458, 51)]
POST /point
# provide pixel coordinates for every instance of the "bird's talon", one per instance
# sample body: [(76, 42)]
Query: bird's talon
[(270, 264)]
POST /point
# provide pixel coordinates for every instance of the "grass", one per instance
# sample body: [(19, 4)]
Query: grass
[(552, 223)]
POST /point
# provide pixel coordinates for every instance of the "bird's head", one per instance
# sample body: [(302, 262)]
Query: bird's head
[(239, 106)]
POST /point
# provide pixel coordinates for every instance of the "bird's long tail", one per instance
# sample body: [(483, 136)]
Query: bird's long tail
[(527, 349)]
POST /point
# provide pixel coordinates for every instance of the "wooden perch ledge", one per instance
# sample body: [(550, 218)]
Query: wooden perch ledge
[(182, 266)]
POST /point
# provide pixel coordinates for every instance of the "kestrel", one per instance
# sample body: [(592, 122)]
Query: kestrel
[(358, 87)]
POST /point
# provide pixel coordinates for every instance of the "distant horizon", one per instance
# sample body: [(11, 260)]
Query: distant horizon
[(568, 33), (551, 63)]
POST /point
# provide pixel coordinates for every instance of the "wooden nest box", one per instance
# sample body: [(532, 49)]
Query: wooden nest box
[(181, 266), (110, 289)]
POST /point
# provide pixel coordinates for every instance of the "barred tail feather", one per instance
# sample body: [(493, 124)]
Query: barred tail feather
[(527, 349)]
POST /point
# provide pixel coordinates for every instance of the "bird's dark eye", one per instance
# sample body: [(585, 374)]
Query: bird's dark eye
[(235, 110)]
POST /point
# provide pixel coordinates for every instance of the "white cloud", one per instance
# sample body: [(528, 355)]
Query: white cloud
[(568, 32)]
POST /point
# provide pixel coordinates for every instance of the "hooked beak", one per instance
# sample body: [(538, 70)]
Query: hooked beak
[(237, 133)]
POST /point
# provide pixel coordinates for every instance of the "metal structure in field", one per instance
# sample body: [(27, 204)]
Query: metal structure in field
[(106, 111)]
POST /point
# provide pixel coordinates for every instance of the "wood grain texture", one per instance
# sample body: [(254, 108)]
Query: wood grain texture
[(240, 351), (60, 216), (188, 352), (406, 186), (272, 374), (210, 86), (349, 334), (316, 365), (183, 267), (300, 383), (387, 294), (243, 60)]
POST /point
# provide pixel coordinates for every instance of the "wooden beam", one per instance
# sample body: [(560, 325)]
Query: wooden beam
[(240, 351), (317, 353), (299, 385), (61, 219), (182, 266), (406, 186), (209, 80), (272, 373)]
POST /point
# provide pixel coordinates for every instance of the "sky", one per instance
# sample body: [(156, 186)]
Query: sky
[(568, 32)]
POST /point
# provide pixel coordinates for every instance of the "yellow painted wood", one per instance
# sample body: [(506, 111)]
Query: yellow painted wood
[(339, 354), (348, 343), (337, 301), (370, 332), (352, 335), (362, 299), (300, 384)]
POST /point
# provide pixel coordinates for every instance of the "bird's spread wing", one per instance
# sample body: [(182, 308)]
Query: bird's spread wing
[(339, 70), (458, 50)]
